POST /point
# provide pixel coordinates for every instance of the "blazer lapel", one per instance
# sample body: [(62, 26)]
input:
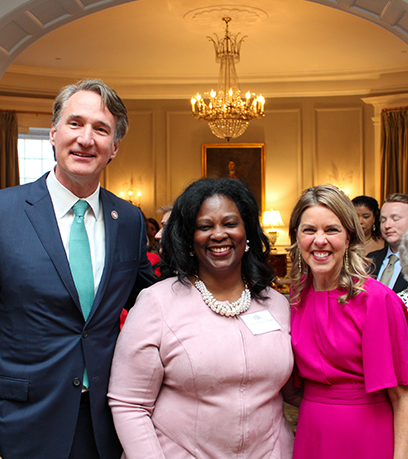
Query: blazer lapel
[(110, 216), (41, 214), (400, 283)]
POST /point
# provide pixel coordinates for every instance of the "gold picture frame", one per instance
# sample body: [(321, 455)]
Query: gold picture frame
[(244, 161)]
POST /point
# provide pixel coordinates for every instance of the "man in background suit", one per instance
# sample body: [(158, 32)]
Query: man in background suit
[(394, 224), (54, 357)]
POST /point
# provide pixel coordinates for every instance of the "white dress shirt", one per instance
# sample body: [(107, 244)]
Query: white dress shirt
[(63, 200)]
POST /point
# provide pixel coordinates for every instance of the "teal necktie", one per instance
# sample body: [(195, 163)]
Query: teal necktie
[(80, 258), (81, 263)]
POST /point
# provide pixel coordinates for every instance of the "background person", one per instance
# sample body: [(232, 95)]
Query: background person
[(57, 334), (152, 227), (349, 335), (202, 358), (153, 257), (369, 215), (394, 224), (166, 212), (403, 252)]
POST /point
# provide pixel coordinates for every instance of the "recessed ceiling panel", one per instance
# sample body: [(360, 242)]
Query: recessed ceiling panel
[(49, 12), (12, 36), (403, 22), (371, 7)]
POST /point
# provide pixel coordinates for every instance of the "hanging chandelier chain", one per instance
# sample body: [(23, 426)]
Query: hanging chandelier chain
[(229, 46)]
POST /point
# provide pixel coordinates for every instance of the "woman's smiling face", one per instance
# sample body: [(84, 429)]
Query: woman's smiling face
[(219, 238), (322, 241)]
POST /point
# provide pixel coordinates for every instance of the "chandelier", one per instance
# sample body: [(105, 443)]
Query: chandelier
[(227, 114)]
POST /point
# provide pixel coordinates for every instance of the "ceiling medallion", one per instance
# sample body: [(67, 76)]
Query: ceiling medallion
[(241, 15)]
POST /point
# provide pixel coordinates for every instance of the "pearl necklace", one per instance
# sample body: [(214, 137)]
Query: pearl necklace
[(225, 309)]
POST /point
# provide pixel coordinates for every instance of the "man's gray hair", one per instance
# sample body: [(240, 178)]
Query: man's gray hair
[(110, 99)]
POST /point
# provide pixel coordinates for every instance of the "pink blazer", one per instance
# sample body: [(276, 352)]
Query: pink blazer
[(189, 383)]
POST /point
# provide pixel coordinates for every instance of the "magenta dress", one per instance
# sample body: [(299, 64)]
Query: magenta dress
[(347, 356)]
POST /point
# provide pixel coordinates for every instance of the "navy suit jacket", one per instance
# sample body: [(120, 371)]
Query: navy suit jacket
[(378, 257), (45, 342)]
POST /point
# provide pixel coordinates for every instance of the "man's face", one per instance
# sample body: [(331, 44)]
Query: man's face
[(158, 235), (394, 223), (83, 142)]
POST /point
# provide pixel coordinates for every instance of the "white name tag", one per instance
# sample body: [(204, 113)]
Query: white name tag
[(260, 322)]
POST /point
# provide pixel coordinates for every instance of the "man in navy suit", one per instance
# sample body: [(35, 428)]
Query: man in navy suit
[(394, 224), (48, 409)]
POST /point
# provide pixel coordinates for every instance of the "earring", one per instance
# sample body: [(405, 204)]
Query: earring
[(299, 261), (374, 228), (191, 253), (247, 246), (346, 261)]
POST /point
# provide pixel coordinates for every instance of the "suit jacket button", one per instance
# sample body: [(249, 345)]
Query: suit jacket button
[(76, 382), (85, 334)]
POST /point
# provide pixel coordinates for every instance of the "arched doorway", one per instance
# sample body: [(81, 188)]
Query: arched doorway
[(23, 22)]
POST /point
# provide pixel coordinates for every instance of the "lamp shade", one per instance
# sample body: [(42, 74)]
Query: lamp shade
[(272, 218)]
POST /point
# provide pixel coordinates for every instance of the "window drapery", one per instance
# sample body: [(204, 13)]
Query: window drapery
[(9, 171), (394, 151)]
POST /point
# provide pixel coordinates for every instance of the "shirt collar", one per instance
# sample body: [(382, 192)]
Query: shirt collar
[(390, 252), (63, 199)]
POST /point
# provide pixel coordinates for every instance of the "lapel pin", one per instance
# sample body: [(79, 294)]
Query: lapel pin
[(114, 215)]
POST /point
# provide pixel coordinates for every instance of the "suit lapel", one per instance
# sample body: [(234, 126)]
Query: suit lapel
[(400, 283), (110, 216), (378, 260), (41, 214)]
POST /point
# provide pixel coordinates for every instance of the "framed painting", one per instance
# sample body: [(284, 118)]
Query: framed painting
[(243, 161)]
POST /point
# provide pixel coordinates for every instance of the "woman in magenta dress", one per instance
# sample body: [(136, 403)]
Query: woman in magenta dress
[(350, 338)]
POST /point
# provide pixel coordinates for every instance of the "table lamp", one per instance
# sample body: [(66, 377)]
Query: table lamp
[(270, 219)]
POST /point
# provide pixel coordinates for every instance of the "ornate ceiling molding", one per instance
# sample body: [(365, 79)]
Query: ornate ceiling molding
[(22, 22), (211, 16)]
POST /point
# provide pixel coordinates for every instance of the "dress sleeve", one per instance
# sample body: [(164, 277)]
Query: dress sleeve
[(136, 379), (384, 339)]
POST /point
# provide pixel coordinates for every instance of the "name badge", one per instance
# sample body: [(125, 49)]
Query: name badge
[(260, 322)]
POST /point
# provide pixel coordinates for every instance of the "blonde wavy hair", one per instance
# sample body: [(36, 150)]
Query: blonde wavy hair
[(354, 272)]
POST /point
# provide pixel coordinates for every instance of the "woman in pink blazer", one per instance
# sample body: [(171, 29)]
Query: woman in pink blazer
[(203, 357)]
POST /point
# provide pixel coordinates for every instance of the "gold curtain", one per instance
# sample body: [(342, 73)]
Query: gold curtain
[(394, 151), (9, 172)]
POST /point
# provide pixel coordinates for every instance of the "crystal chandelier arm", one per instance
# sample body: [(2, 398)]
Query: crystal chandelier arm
[(215, 43)]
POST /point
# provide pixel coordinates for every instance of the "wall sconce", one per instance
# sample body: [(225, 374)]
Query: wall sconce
[(130, 197), (130, 194), (270, 219)]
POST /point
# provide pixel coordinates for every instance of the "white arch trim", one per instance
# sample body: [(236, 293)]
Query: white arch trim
[(390, 14), (22, 22)]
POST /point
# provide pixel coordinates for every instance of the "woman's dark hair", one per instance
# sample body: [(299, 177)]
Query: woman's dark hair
[(178, 237), (154, 223), (371, 204)]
